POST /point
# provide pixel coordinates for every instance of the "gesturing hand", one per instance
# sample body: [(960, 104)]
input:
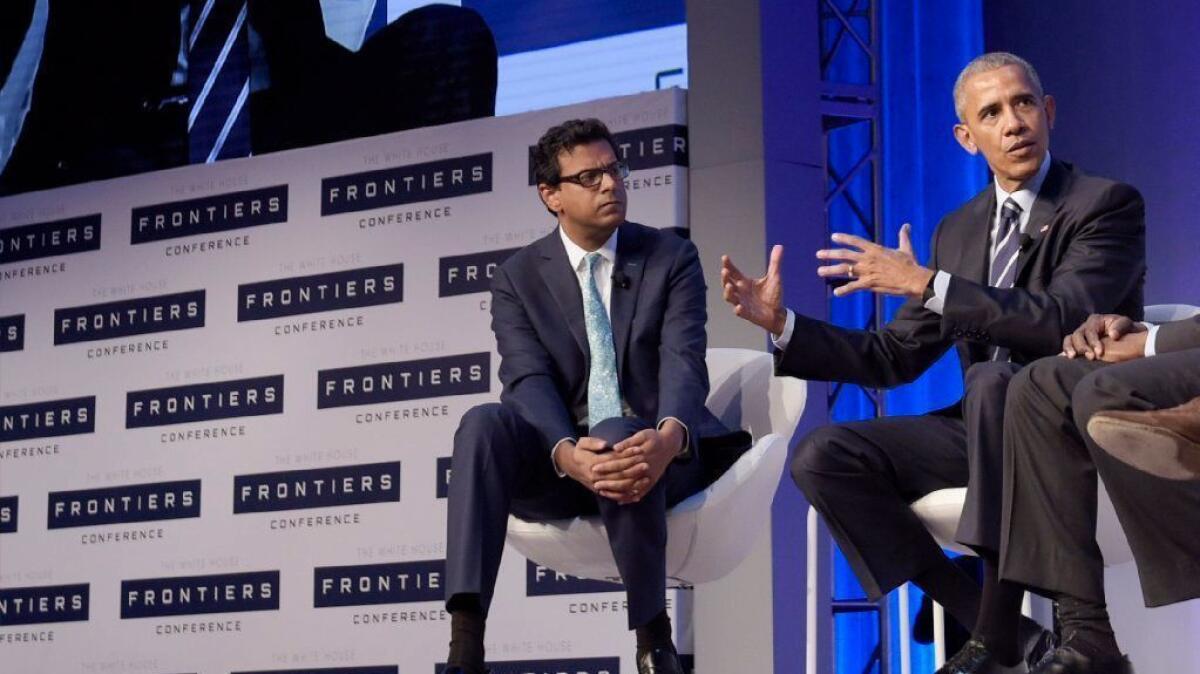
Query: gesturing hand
[(875, 268), (760, 300), (1108, 337)]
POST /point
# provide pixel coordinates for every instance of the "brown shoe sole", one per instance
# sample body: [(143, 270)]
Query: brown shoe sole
[(1158, 451)]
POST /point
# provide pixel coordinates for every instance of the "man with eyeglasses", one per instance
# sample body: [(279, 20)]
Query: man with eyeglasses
[(600, 328)]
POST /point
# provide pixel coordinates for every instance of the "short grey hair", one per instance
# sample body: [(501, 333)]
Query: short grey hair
[(987, 63)]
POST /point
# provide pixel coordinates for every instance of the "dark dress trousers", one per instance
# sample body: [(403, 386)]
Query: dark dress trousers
[(1051, 467), (1085, 255), (501, 461)]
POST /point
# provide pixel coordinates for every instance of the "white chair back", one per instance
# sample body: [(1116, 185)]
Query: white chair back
[(744, 393), (1165, 313)]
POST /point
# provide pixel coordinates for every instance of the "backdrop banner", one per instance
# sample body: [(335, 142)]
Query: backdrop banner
[(228, 394)]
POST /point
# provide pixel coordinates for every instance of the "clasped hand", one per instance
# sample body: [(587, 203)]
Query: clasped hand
[(626, 471), (1110, 338)]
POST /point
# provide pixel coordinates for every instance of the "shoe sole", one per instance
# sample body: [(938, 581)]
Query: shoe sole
[(1158, 451)]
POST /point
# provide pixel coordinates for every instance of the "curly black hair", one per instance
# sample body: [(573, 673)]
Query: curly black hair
[(565, 137)]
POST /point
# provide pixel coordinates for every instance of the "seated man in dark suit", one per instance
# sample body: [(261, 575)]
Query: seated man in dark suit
[(1048, 543), (600, 328), (1012, 271)]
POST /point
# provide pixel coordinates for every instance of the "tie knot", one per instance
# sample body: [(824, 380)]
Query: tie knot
[(1011, 210), (593, 259)]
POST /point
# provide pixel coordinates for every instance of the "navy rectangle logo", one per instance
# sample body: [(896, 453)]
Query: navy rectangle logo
[(465, 274), (430, 181), (541, 581), (108, 320), (207, 215), (317, 488), (194, 595), (251, 397), (365, 287), (648, 148), (405, 380), (8, 514), (124, 504), (383, 669), (566, 666), (48, 419), (47, 239), (443, 476), (365, 584), (44, 604), (12, 332)]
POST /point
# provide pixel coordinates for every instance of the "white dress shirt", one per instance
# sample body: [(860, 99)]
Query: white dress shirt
[(603, 272)]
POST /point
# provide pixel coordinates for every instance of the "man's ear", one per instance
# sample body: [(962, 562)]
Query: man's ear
[(963, 135), (1051, 106), (550, 197)]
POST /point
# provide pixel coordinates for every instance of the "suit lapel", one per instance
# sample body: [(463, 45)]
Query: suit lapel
[(631, 261), (1049, 200), (564, 287), (972, 247)]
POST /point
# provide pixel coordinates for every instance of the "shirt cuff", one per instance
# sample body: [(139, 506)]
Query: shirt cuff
[(553, 463), (941, 286), (687, 436), (1151, 336), (782, 340)]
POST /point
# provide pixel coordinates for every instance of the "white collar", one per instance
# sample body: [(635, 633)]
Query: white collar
[(1028, 192), (575, 254)]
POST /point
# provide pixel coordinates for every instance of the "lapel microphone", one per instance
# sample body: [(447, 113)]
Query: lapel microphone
[(1026, 242), (620, 280)]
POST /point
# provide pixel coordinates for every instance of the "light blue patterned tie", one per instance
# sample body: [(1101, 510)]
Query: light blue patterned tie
[(604, 392)]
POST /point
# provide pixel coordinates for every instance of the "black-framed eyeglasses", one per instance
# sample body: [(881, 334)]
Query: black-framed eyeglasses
[(591, 178)]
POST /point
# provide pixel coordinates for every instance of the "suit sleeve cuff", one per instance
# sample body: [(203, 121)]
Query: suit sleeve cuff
[(685, 450), (941, 286), (553, 463), (1151, 337), (781, 341)]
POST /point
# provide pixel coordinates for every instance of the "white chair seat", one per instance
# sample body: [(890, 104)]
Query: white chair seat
[(939, 511), (709, 533)]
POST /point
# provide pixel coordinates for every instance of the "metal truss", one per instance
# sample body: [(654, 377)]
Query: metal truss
[(850, 115)]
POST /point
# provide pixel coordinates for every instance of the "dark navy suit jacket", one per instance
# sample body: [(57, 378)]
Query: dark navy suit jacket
[(1086, 254), (658, 322)]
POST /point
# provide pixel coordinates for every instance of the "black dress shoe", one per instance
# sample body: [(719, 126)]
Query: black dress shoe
[(659, 661), (1067, 660), (1036, 642), (974, 658)]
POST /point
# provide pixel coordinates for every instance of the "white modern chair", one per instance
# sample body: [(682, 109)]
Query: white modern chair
[(711, 532), (940, 511)]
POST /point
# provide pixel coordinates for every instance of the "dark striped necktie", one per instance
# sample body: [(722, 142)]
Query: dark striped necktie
[(1004, 255)]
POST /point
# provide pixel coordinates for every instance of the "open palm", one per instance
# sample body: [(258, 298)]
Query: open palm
[(759, 300)]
